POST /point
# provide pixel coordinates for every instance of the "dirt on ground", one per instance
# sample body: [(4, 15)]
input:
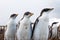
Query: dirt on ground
[(3, 30)]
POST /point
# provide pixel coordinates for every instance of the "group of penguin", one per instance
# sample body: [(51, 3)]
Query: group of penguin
[(25, 31)]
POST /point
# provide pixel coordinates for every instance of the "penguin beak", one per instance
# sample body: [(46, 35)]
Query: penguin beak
[(52, 8), (31, 14), (16, 14), (57, 22)]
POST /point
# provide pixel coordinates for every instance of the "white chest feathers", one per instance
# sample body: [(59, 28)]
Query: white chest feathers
[(41, 29), (11, 29), (24, 31)]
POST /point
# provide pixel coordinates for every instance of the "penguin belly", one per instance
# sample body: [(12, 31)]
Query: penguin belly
[(10, 32), (41, 31), (24, 33)]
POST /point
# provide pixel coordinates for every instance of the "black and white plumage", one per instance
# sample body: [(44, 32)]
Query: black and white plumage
[(25, 29), (54, 29), (51, 29), (40, 28), (11, 28)]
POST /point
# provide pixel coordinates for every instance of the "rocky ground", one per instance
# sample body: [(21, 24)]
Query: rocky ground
[(2, 37)]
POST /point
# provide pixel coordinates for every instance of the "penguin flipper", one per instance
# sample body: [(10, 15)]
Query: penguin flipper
[(34, 26)]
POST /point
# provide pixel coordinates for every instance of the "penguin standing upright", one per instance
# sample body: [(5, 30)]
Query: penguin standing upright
[(51, 30), (25, 29), (11, 28), (54, 30), (40, 28)]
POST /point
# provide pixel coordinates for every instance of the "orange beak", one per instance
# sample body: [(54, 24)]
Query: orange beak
[(16, 14), (31, 14)]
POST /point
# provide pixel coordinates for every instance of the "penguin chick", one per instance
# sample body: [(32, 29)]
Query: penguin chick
[(50, 29), (11, 28), (25, 29), (40, 28)]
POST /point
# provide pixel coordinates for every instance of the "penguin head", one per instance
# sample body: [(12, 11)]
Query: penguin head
[(28, 14), (54, 23), (13, 16), (47, 9)]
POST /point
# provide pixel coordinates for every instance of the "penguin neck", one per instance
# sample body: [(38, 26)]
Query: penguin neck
[(26, 18), (54, 25), (11, 19), (45, 17), (45, 14)]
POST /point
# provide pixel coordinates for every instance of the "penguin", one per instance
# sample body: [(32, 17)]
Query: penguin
[(54, 30), (25, 29), (51, 28), (58, 32), (40, 27), (11, 28)]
